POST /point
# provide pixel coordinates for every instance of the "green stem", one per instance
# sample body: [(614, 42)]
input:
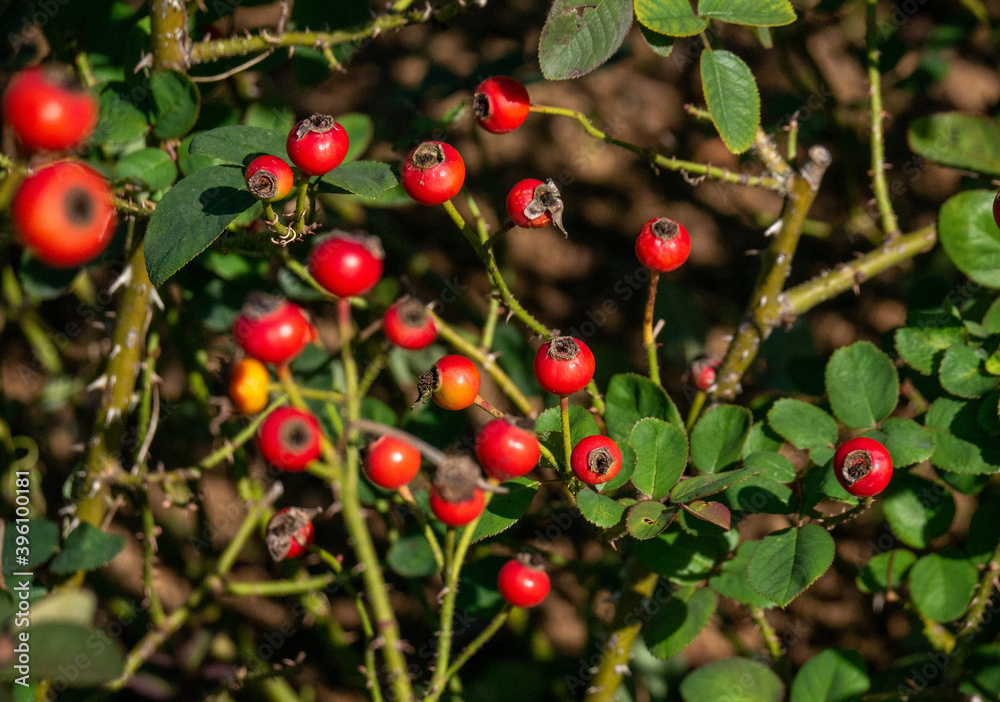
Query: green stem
[(168, 35), (666, 162), (648, 339), (144, 209), (278, 588), (696, 406), (566, 431), (490, 328), (301, 202), (890, 224), (973, 620), (477, 643), (272, 221), (304, 275), (375, 366), (245, 434)]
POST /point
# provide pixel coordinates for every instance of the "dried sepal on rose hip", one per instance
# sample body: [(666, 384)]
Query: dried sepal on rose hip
[(523, 582), (317, 145), (862, 466), (272, 329), (564, 365), (596, 460), (500, 104), (456, 496), (347, 264), (662, 245), (290, 532), (268, 178), (408, 325), (452, 383), (289, 439), (433, 173), (533, 204)]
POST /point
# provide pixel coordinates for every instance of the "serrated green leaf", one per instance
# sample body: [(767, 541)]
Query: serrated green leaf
[(718, 437), (733, 582), (962, 372), (732, 98), (598, 509), (673, 18), (577, 38), (833, 675), (238, 144), (716, 682), (367, 179), (629, 460), (918, 510), (662, 454), (191, 216), (942, 587), (767, 491), (956, 422), (803, 425), (648, 518), (86, 548), (681, 557), (661, 44), (38, 538), (885, 568), (712, 512), (971, 142), (411, 556), (789, 561), (175, 104), (991, 320), (862, 385), (756, 13), (360, 132), (679, 620), (548, 426), (923, 347), (121, 119), (506, 508), (153, 167), (970, 236), (631, 397), (701, 486), (906, 441)]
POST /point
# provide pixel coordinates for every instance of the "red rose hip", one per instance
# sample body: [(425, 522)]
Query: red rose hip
[(433, 173), (391, 463), (272, 329), (662, 245), (453, 382), (460, 512), (290, 532), (506, 451), (533, 204), (564, 365), (596, 460), (500, 104), (408, 325), (523, 585), (288, 439), (269, 178), (347, 265), (863, 466), (317, 145), (47, 109)]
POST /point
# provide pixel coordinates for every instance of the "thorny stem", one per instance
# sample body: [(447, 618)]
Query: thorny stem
[(487, 407), (364, 548), (890, 224), (667, 162), (567, 436), (168, 33), (272, 221), (241, 438), (648, 340), (278, 588), (142, 209), (973, 620), (477, 643), (770, 637), (301, 203)]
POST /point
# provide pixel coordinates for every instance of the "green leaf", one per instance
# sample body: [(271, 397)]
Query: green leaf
[(368, 179), (548, 426), (718, 437), (970, 142), (577, 38), (682, 557), (970, 236), (121, 120), (674, 18), (732, 98), (506, 508), (238, 145), (963, 374), (733, 680), (360, 132), (767, 491), (598, 509), (762, 438), (923, 347), (941, 587), (661, 44), (411, 556), (679, 620), (150, 166), (86, 548), (712, 512), (648, 518), (733, 578), (662, 454), (886, 568), (789, 561), (991, 320), (917, 509), (54, 645), (756, 13), (629, 459), (38, 538), (631, 397), (701, 486), (834, 675), (191, 216), (175, 104), (956, 422), (906, 441), (862, 385), (803, 425)]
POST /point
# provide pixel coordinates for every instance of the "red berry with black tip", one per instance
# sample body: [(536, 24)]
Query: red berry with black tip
[(863, 466), (64, 213), (433, 173), (453, 382), (269, 178), (408, 325), (391, 463), (289, 438), (272, 329), (506, 451), (347, 265), (290, 532), (564, 365), (317, 145), (48, 109), (596, 460), (500, 104), (533, 204), (662, 245), (522, 584)]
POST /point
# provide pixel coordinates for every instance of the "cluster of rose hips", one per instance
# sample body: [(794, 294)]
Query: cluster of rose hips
[(64, 211)]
